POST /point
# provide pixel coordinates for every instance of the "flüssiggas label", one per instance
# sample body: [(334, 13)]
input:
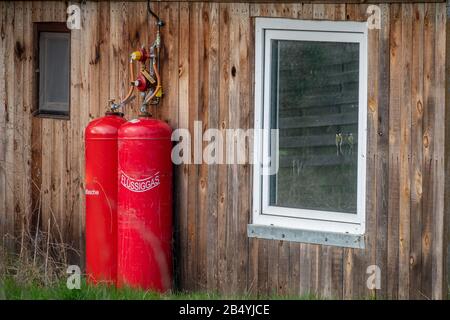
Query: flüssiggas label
[(139, 185)]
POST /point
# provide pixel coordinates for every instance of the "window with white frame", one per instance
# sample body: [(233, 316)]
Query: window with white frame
[(311, 90)]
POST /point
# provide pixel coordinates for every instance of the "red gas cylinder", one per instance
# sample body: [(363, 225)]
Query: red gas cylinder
[(145, 205), (101, 197)]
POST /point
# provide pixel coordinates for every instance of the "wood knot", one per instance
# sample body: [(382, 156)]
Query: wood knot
[(19, 51), (95, 60), (2, 32), (226, 16), (419, 106), (417, 15), (233, 71), (372, 105), (426, 241), (418, 183), (426, 140)]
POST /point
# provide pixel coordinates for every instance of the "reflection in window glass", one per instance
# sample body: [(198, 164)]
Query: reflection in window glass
[(314, 104)]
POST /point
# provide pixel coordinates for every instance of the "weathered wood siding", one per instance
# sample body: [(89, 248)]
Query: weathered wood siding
[(208, 75)]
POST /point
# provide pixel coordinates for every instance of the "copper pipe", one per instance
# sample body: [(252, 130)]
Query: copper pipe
[(130, 91)]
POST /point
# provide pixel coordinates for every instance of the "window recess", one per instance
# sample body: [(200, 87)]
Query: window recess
[(52, 66)]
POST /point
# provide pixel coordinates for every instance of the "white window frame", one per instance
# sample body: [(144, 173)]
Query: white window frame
[(267, 29)]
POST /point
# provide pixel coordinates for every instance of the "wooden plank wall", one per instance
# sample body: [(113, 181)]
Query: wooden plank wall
[(208, 75)]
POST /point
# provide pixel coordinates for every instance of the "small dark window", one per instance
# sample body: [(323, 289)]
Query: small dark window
[(52, 44)]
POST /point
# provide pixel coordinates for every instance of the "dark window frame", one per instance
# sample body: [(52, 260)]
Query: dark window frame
[(38, 27)]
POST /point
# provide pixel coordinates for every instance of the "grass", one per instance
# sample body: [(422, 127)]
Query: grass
[(39, 273), (11, 289)]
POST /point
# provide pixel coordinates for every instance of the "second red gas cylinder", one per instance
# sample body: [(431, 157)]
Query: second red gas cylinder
[(101, 197), (145, 205)]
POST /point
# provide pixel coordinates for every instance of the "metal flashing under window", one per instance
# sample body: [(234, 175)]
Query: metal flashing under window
[(306, 236)]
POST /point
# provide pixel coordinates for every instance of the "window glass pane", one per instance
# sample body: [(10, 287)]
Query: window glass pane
[(314, 104), (54, 67)]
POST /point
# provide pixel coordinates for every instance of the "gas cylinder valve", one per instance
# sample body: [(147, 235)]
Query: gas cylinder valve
[(141, 83)]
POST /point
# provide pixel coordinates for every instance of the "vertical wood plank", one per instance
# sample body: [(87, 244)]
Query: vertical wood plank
[(243, 192), (169, 73), (417, 157), (60, 169), (372, 152), (3, 118), (56, 165), (124, 50), (18, 142), (203, 116), (394, 149), (233, 178), (74, 210), (222, 210), (405, 153), (65, 165), (294, 269), (348, 280), (148, 37), (114, 15), (183, 122), (305, 268), (428, 148), (193, 168), (382, 159), (27, 109), (438, 271), (213, 122), (283, 268), (102, 56), (9, 132), (131, 36), (447, 152), (79, 222), (263, 275), (93, 26)]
